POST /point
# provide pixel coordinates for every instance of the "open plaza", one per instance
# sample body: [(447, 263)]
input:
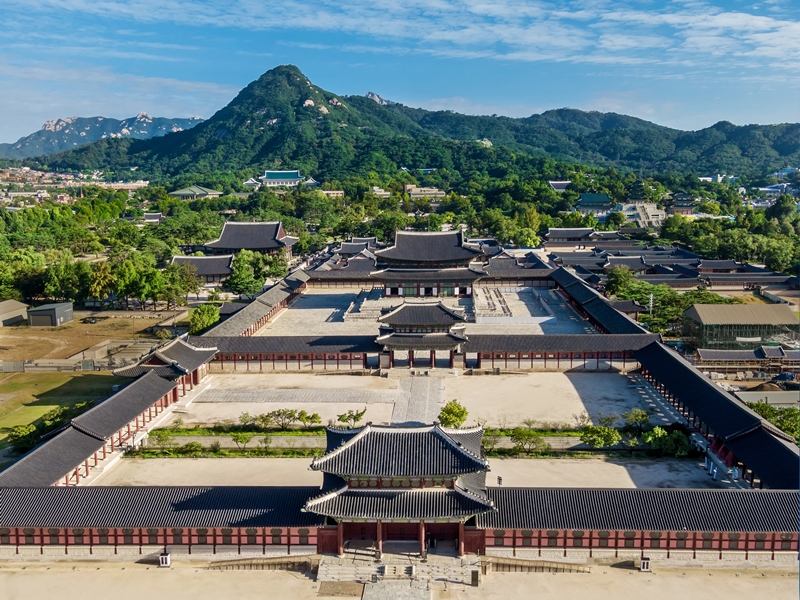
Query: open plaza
[(397, 495)]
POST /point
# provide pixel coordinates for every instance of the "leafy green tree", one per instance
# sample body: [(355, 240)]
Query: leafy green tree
[(671, 444), (351, 417), (636, 419), (614, 221), (203, 317), (528, 441), (241, 280), (241, 439), (619, 279), (308, 420), (162, 438), (787, 418), (284, 417), (101, 281), (598, 436), (453, 414), (23, 437)]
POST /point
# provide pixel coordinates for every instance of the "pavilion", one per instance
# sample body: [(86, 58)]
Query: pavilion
[(402, 484)]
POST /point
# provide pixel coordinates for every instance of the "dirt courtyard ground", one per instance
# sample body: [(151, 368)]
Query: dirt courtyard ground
[(290, 381), (600, 473), (211, 471), (545, 397), (516, 472), (20, 342), (190, 581)]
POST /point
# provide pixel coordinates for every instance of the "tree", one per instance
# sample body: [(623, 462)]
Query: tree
[(615, 220), (597, 436), (528, 441), (453, 414), (241, 439), (101, 281), (671, 444), (162, 438), (23, 437), (203, 317), (631, 442), (351, 417), (308, 420), (242, 280), (636, 419), (284, 417), (619, 279)]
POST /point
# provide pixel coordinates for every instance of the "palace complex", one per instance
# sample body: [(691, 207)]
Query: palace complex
[(438, 303)]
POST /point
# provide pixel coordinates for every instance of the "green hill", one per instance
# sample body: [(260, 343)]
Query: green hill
[(283, 120)]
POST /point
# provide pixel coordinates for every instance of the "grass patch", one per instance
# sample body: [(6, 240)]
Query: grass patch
[(26, 397), (227, 429), (224, 453)]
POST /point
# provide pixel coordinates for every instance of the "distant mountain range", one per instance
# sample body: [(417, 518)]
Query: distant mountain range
[(282, 120), (65, 134)]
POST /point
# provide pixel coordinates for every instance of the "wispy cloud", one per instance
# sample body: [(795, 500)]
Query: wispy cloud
[(582, 31)]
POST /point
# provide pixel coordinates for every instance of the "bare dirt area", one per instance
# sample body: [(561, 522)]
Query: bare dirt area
[(212, 413), (191, 581), (20, 342), (602, 473), (545, 397), (299, 381), (211, 471)]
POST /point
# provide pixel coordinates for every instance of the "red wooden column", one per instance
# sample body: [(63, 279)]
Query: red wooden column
[(452, 359), (380, 539), (340, 539), (410, 359), (422, 539), (461, 538), (433, 359)]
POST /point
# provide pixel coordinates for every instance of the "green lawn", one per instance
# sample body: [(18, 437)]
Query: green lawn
[(25, 397)]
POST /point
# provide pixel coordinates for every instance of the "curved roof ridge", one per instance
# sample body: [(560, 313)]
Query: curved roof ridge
[(458, 446), (323, 497), (317, 460), (476, 497)]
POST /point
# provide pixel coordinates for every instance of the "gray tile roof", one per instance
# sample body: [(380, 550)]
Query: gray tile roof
[(207, 265), (428, 313), (558, 343), (641, 509), (420, 340), (358, 269), (429, 503), (424, 451), (453, 275), (252, 236), (428, 247), (184, 355), (610, 318), (291, 344), (116, 412), (49, 462), (157, 506)]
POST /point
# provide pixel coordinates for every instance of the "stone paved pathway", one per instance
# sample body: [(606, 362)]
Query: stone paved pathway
[(396, 590), (421, 400)]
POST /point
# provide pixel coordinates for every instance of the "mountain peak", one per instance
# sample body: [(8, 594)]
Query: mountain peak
[(379, 99)]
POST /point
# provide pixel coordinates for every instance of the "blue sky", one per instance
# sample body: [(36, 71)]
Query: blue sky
[(685, 64)]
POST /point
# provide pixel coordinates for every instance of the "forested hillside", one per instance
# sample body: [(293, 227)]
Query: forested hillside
[(282, 120)]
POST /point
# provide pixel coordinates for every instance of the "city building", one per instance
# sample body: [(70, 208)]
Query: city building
[(418, 193), (194, 192), (597, 204), (739, 326), (50, 315), (12, 312), (273, 179)]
